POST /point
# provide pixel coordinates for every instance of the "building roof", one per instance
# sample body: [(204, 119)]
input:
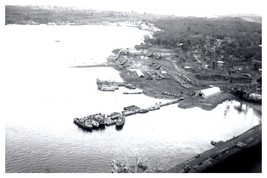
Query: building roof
[(139, 72), (210, 91)]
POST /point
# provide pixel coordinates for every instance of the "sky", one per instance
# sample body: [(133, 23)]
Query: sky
[(168, 7)]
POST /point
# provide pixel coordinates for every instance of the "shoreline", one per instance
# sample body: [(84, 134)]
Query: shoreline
[(173, 66), (189, 101)]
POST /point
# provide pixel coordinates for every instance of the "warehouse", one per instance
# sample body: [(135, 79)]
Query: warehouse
[(139, 73), (205, 93)]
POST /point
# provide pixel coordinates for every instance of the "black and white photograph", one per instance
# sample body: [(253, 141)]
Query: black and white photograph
[(132, 86)]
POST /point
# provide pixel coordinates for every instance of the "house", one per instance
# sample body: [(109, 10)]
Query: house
[(205, 93)]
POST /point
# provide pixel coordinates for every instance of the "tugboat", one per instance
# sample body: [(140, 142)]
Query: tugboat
[(83, 123), (120, 121)]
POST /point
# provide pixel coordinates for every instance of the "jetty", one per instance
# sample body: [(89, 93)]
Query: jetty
[(171, 102), (229, 155), (128, 93), (118, 118)]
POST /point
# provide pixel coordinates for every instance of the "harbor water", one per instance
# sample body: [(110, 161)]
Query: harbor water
[(44, 93)]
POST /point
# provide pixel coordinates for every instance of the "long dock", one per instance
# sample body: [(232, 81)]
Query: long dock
[(94, 65), (171, 102), (136, 111), (131, 110), (232, 154)]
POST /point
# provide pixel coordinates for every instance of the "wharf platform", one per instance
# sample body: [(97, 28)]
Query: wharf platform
[(230, 156)]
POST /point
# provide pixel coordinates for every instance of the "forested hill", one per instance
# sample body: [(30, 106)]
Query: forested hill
[(211, 38)]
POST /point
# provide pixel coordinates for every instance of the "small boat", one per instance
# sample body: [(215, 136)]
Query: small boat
[(106, 88), (101, 122), (120, 121), (100, 118), (130, 86), (119, 167), (114, 115), (95, 123), (216, 143), (111, 122), (156, 107), (129, 112), (83, 123), (143, 110), (131, 108)]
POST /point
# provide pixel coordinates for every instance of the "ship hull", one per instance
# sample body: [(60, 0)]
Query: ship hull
[(86, 127)]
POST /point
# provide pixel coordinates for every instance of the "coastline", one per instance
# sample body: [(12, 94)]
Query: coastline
[(168, 76), (189, 100)]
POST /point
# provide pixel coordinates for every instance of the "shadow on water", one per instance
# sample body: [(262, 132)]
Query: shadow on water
[(119, 128), (242, 108), (84, 130), (257, 112), (100, 128)]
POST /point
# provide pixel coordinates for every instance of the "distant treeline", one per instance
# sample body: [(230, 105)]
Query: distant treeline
[(210, 38), (35, 15)]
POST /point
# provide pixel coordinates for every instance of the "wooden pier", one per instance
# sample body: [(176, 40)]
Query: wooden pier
[(130, 110)]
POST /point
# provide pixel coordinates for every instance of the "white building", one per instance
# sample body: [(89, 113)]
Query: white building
[(139, 73), (205, 93)]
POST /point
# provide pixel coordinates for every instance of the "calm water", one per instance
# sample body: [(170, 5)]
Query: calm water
[(44, 95)]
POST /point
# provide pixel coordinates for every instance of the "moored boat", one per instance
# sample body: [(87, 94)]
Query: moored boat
[(107, 88), (143, 110), (216, 143), (111, 122), (114, 115), (101, 122), (100, 118), (128, 112), (119, 167), (95, 123), (120, 121), (131, 108), (156, 107), (83, 123)]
